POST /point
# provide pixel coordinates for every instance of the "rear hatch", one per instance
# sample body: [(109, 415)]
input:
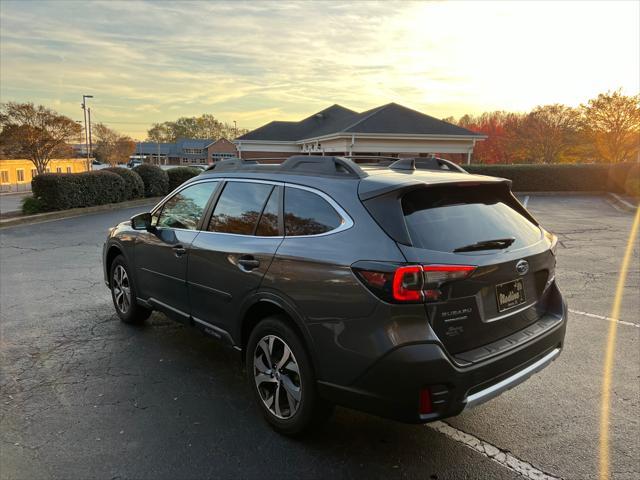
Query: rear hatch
[(475, 224)]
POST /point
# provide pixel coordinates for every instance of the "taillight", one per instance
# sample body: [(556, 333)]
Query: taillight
[(412, 283), (408, 283), (553, 242)]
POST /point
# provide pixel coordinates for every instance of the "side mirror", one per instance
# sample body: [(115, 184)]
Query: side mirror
[(142, 221)]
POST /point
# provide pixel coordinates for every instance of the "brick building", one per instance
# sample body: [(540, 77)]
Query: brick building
[(185, 152)]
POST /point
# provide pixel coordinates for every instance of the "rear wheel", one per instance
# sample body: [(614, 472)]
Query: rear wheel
[(123, 293), (282, 379)]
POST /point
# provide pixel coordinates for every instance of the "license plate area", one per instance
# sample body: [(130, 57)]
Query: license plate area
[(510, 294)]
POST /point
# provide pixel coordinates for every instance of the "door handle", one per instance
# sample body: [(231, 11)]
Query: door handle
[(248, 262), (179, 250)]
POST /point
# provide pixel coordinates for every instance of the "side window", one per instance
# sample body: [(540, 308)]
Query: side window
[(186, 207), (268, 225), (306, 213), (239, 207)]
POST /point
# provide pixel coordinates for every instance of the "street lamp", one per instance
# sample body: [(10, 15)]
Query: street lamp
[(87, 129)]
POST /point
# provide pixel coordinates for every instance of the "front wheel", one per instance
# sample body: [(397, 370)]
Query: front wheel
[(123, 293), (282, 379)]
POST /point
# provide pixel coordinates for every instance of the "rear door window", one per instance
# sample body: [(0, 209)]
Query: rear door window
[(447, 218), (239, 207), (306, 213), (268, 224)]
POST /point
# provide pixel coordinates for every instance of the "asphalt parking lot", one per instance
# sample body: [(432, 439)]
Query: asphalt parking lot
[(84, 396)]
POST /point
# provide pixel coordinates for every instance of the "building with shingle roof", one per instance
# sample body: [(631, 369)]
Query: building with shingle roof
[(389, 130)]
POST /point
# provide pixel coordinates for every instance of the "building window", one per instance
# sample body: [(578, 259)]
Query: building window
[(20, 174), (4, 176), (68, 169), (34, 172), (58, 170)]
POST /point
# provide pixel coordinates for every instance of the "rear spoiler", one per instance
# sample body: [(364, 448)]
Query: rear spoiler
[(368, 189)]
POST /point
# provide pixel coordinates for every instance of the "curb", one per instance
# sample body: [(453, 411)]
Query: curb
[(622, 203), (74, 212)]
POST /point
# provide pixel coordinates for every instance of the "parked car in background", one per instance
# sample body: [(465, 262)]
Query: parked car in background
[(408, 293)]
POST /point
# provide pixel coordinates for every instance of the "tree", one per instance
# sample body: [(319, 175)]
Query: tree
[(612, 122), (35, 133), (111, 147), (203, 127), (548, 132)]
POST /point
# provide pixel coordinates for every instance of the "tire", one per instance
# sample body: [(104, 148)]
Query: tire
[(275, 389), (123, 293)]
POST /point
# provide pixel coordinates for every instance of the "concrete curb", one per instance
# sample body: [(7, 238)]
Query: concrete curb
[(622, 203), (75, 212)]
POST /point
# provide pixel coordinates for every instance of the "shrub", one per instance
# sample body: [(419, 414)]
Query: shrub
[(156, 180), (632, 184), (179, 175), (60, 191), (594, 177), (31, 205), (133, 184)]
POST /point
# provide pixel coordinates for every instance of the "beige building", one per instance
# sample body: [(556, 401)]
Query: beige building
[(16, 174), (389, 130)]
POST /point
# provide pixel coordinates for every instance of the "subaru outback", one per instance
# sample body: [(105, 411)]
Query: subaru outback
[(408, 291)]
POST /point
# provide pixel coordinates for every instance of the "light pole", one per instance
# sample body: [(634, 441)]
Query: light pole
[(89, 121), (86, 129)]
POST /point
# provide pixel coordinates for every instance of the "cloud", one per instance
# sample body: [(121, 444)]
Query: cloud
[(258, 61)]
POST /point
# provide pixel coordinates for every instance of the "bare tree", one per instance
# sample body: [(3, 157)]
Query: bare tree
[(35, 133), (112, 147), (612, 121)]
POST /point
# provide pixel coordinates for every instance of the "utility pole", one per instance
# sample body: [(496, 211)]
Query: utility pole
[(90, 142), (86, 130), (235, 129)]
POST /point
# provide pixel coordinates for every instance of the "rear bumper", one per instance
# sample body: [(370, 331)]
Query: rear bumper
[(391, 387)]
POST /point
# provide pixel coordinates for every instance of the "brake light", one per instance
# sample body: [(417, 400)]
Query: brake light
[(436, 275), (407, 284), (412, 283)]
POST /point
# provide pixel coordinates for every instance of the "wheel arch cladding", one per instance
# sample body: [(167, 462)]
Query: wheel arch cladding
[(262, 309)]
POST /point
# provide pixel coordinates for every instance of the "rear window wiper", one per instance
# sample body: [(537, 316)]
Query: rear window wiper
[(497, 244)]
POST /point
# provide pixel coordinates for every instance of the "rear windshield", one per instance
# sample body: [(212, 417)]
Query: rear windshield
[(444, 219)]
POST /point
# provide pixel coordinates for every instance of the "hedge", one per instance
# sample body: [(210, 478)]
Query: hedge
[(155, 179), (593, 177), (133, 184), (179, 175), (60, 191)]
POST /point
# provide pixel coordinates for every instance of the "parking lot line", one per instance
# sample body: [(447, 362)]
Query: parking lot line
[(503, 457), (602, 317), (525, 201)]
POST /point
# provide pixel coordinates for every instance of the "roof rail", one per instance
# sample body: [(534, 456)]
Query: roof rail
[(426, 163), (298, 164), (323, 165)]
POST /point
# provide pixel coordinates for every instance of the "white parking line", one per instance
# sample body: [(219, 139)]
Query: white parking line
[(504, 458), (525, 201), (601, 317)]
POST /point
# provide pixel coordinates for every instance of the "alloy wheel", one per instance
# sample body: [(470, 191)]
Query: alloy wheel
[(277, 376), (121, 289)]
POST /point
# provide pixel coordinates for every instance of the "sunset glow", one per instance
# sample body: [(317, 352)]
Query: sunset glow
[(254, 62)]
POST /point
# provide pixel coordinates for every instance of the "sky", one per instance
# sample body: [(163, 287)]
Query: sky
[(258, 61)]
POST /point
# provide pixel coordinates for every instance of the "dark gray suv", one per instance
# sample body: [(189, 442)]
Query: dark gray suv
[(410, 291)]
